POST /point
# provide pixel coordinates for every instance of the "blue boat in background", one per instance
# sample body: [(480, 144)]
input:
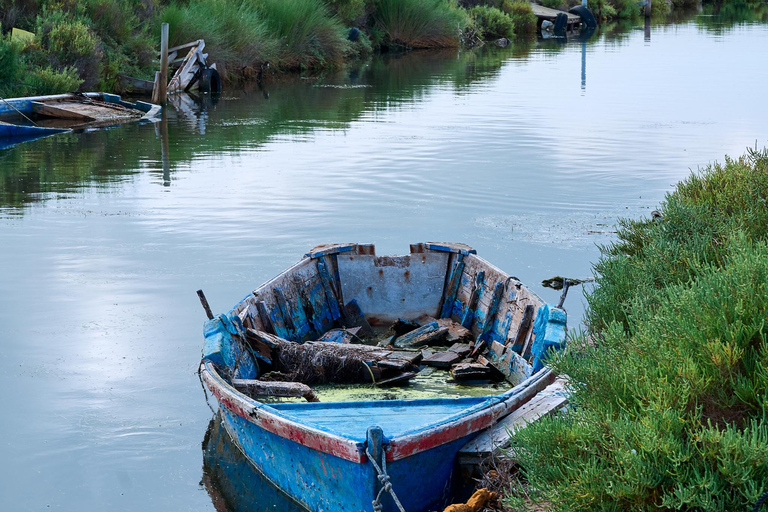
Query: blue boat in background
[(34, 117), (389, 455)]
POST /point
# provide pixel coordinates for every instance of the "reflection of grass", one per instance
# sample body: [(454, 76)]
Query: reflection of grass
[(36, 171)]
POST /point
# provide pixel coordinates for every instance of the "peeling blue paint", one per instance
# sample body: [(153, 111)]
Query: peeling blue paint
[(222, 350), (549, 330)]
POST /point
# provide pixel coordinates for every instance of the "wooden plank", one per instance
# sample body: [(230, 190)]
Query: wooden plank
[(181, 47), (454, 280), (328, 287), (469, 315), (430, 332), (546, 13), (397, 380), (256, 388), (490, 318), (442, 359), (183, 77), (518, 344), (60, 111), (493, 440), (470, 371)]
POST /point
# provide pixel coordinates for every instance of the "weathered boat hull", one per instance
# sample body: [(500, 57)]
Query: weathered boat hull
[(116, 111), (323, 454), (11, 134)]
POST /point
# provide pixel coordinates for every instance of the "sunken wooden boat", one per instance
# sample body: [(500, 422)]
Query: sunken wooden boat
[(33, 117), (359, 455)]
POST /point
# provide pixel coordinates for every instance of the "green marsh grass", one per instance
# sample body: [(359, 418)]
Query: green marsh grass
[(670, 389), (235, 31), (420, 23)]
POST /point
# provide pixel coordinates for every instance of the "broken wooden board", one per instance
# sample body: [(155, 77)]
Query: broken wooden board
[(397, 380), (494, 440), (257, 388), (401, 326), (470, 371), (60, 110), (340, 335), (185, 75), (429, 333), (442, 359), (456, 331), (463, 349)]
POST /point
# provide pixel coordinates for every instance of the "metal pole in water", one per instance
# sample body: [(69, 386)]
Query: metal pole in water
[(163, 64), (647, 8)]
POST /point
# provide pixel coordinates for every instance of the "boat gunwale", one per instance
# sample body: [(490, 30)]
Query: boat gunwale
[(409, 443)]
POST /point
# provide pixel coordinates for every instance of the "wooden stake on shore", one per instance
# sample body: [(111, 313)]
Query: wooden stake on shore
[(163, 83)]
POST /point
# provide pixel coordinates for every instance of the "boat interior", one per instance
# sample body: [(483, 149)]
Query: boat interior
[(438, 322)]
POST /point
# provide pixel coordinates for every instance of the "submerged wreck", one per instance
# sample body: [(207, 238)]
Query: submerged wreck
[(33, 117), (343, 315)]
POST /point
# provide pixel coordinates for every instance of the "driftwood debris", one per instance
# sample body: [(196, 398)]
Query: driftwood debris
[(470, 371), (259, 388), (319, 362), (340, 335), (442, 359), (428, 333)]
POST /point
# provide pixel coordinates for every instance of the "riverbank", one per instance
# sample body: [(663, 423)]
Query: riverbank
[(61, 46), (668, 387)]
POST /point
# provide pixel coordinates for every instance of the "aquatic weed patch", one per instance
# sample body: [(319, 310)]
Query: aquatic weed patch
[(670, 388)]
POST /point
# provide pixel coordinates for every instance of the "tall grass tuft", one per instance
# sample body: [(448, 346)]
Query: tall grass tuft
[(522, 17), (669, 391), (235, 31), (309, 36), (492, 23), (420, 23)]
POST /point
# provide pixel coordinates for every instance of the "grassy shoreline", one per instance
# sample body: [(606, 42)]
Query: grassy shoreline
[(89, 44), (670, 386)]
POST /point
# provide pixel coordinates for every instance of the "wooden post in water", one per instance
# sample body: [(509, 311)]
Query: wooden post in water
[(647, 8), (163, 84)]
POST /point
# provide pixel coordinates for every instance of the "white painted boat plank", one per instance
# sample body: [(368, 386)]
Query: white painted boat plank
[(496, 438)]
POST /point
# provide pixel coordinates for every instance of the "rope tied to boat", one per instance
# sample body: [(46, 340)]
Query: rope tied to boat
[(383, 477)]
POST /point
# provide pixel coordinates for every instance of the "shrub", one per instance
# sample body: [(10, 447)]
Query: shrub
[(69, 42), (240, 34), (308, 35), (522, 16), (351, 12), (50, 81), (668, 393), (420, 23), (492, 23), (9, 65)]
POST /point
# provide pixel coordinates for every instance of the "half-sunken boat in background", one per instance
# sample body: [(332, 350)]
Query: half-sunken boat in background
[(33, 117), (398, 454)]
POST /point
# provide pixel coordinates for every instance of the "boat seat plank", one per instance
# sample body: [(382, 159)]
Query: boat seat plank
[(59, 110), (396, 417), (497, 438)]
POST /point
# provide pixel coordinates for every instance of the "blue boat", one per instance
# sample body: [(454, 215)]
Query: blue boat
[(34, 117), (389, 455)]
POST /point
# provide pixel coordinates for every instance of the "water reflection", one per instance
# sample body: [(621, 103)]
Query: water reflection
[(498, 148), (232, 482)]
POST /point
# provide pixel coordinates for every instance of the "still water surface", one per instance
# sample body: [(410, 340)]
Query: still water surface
[(529, 154)]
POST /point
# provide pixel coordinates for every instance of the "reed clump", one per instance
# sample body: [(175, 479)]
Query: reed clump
[(420, 23), (492, 23), (669, 387)]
